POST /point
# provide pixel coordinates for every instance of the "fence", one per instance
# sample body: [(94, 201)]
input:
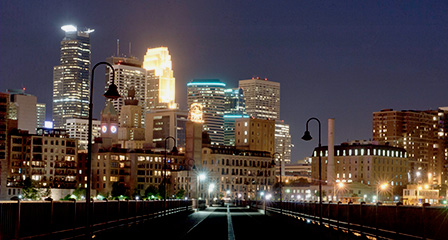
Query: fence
[(386, 221), (55, 219)]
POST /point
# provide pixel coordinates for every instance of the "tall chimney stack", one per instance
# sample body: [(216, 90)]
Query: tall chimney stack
[(330, 166)]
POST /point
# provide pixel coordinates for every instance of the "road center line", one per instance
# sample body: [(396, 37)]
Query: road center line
[(230, 233)]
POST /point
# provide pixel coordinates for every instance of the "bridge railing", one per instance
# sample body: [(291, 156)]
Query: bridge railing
[(392, 221), (28, 219)]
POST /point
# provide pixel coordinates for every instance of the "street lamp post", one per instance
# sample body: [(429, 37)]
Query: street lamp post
[(111, 93), (281, 183), (165, 167), (307, 137)]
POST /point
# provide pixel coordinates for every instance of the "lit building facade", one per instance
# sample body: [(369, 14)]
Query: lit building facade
[(4, 145), (78, 128), (364, 163), (161, 124), (41, 111), (262, 98), (236, 174), (210, 94), (23, 108), (71, 85), (49, 158), (283, 141), (423, 134), (234, 108), (128, 73), (296, 171), (136, 170), (160, 84), (255, 134)]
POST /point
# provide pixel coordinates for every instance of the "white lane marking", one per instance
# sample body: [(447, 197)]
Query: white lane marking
[(191, 229), (230, 233)]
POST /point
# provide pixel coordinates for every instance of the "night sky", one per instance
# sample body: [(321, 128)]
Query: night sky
[(334, 59)]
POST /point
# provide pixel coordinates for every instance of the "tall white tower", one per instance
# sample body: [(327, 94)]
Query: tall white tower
[(71, 85)]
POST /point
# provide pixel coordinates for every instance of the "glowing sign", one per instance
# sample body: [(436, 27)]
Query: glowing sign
[(113, 129), (195, 114), (48, 124), (104, 129)]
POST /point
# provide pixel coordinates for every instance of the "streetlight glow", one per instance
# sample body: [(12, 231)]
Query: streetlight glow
[(211, 187)]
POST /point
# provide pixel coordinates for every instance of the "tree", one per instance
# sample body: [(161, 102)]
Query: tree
[(151, 191), (79, 193), (29, 190), (180, 194), (119, 189)]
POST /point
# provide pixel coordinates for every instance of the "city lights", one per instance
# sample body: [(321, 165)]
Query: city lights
[(227, 124), (69, 28)]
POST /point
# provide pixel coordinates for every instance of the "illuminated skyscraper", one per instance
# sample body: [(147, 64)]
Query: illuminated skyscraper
[(234, 108), (71, 85), (160, 83), (210, 94), (262, 98), (128, 74)]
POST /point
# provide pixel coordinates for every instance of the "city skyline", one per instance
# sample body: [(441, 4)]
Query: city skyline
[(342, 61)]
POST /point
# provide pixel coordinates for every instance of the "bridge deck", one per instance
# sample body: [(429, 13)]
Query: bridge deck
[(226, 223)]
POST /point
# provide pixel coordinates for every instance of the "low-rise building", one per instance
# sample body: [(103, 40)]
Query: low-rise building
[(419, 194), (366, 163), (234, 173), (49, 158), (135, 169)]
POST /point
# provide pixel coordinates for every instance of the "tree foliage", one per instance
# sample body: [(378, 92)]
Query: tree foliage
[(180, 194), (30, 190), (119, 189), (152, 192)]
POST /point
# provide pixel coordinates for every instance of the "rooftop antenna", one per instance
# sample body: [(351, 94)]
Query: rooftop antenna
[(118, 47), (130, 49)]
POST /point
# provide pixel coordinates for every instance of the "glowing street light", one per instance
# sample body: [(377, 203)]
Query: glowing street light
[(340, 185), (201, 177), (382, 187), (211, 187)]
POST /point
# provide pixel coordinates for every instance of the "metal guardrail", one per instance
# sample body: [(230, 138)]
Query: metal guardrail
[(67, 219), (374, 221)]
